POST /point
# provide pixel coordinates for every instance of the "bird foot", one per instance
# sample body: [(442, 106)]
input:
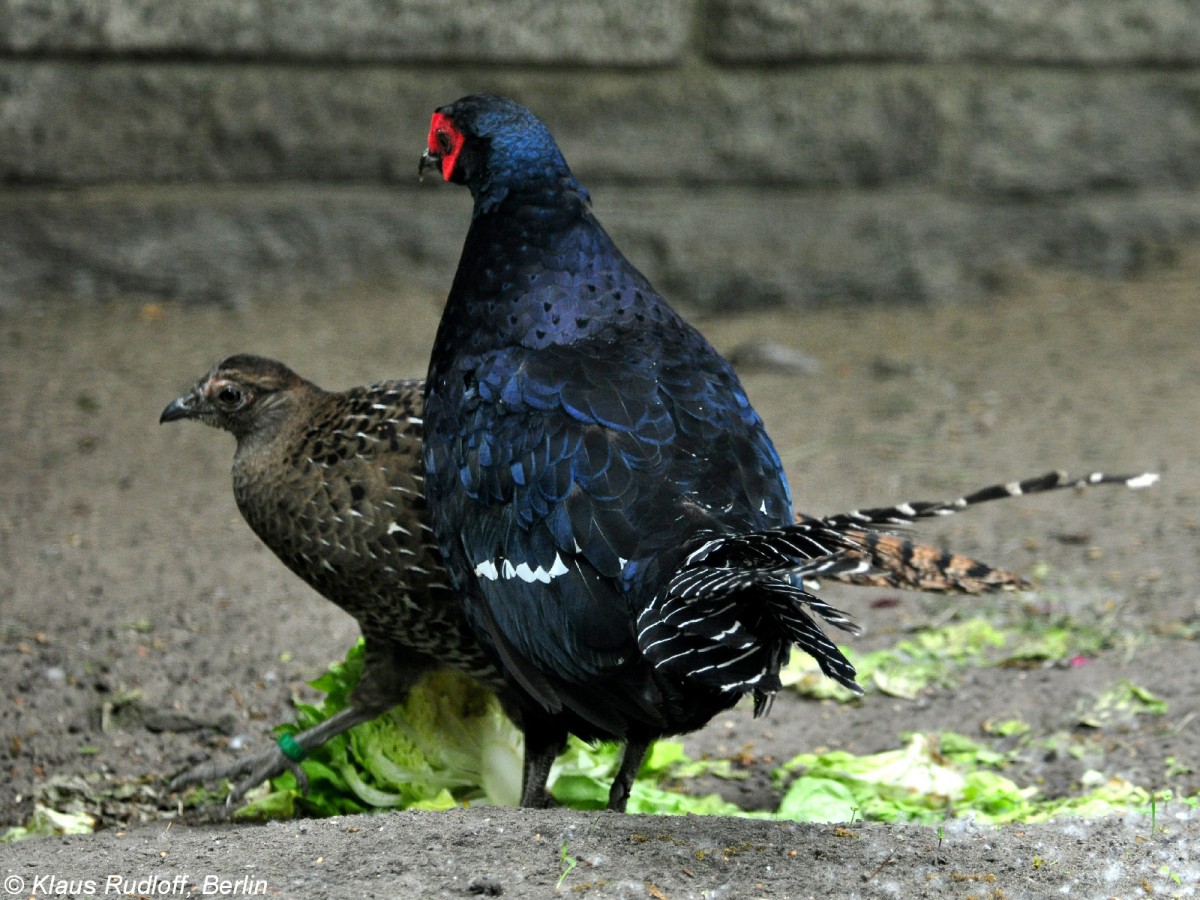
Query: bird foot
[(256, 769)]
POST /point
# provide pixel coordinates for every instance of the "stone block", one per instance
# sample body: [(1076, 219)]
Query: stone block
[(570, 32), (1020, 131), (71, 123), (1079, 32), (1039, 132)]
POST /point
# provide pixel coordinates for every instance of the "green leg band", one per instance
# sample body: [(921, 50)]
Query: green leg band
[(291, 749)]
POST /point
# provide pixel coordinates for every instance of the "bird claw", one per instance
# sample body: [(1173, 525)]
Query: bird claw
[(300, 775), (261, 767)]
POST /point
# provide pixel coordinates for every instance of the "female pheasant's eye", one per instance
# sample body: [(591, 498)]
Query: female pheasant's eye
[(229, 396)]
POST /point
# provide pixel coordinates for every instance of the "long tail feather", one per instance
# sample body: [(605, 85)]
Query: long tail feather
[(907, 513), (894, 561)]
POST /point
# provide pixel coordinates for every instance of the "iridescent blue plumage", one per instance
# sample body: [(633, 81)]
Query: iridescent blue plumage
[(582, 442)]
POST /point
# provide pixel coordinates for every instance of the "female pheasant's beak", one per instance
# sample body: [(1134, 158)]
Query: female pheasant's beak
[(428, 159), (180, 408)]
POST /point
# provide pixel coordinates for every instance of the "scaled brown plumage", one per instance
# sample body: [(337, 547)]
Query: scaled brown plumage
[(331, 482)]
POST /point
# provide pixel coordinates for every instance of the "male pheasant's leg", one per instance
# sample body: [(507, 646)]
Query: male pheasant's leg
[(543, 742), (631, 762)]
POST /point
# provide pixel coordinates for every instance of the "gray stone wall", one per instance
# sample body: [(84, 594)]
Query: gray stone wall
[(744, 152)]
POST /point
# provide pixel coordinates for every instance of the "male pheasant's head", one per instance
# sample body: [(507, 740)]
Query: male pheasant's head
[(245, 395), (493, 146)]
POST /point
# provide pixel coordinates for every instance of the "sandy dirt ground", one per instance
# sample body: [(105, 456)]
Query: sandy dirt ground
[(143, 629)]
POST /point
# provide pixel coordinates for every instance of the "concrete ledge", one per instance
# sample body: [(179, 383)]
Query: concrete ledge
[(716, 249), (74, 123)]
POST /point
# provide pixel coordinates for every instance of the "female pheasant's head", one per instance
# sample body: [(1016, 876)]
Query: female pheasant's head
[(248, 396), (493, 146)]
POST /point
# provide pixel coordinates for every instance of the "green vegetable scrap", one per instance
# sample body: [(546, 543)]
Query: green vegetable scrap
[(925, 781), (450, 744), (46, 822), (582, 774), (1036, 643), (903, 671), (1007, 728), (932, 656), (932, 778), (1121, 703)]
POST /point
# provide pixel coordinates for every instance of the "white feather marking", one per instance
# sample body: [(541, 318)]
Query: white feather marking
[(663, 662), (1142, 481), (747, 683), (394, 527), (653, 644), (490, 570), (529, 575), (642, 633), (708, 615), (558, 567), (702, 550), (721, 665)]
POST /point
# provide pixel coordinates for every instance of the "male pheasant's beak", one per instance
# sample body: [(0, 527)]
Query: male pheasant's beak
[(428, 159), (180, 408)]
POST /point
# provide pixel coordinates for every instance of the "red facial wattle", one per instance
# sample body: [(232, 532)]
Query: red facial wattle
[(445, 142)]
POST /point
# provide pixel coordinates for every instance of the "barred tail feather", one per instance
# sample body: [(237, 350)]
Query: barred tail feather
[(788, 602), (907, 513), (892, 561), (728, 615)]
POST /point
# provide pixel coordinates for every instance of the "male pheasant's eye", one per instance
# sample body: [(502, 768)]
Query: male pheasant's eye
[(445, 144)]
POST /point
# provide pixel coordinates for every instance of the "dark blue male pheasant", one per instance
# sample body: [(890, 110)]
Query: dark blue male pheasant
[(605, 497)]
